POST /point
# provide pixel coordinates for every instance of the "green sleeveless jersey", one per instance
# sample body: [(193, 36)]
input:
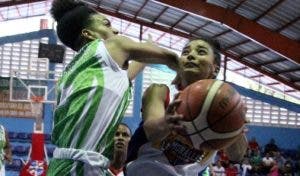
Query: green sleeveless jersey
[(93, 94), (2, 145)]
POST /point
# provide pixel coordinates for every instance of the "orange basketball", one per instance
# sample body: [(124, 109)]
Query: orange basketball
[(214, 113)]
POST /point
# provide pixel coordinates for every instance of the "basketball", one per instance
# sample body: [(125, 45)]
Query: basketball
[(214, 114)]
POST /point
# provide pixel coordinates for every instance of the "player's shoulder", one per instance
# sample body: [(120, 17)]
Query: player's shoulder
[(158, 86)]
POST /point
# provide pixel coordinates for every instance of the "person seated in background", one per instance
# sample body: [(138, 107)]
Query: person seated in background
[(218, 169), (271, 147), (223, 158), (256, 162), (5, 150), (267, 163), (288, 167), (231, 170), (274, 170), (121, 140), (246, 166), (253, 145), (279, 158)]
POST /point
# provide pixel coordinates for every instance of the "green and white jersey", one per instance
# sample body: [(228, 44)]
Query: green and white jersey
[(2, 145), (93, 94)]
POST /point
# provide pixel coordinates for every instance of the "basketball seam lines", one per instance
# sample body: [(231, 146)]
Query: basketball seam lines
[(208, 100), (235, 107), (210, 89), (193, 123)]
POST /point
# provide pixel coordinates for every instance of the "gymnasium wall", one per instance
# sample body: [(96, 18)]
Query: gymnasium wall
[(286, 138)]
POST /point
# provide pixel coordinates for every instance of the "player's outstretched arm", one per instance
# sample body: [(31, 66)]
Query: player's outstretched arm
[(123, 49)]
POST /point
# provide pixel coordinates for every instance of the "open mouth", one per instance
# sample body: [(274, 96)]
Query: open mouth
[(190, 65), (120, 144)]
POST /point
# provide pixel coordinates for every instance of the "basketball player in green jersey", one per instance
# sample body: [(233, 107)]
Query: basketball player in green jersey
[(94, 90)]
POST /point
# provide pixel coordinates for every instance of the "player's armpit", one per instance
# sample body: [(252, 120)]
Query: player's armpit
[(237, 150)]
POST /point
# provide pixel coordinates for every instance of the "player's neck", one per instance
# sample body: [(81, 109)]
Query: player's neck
[(118, 161)]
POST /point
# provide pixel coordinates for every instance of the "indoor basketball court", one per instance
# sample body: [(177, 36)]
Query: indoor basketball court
[(260, 66)]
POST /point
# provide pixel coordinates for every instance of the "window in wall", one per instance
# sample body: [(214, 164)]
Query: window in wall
[(154, 75), (22, 56)]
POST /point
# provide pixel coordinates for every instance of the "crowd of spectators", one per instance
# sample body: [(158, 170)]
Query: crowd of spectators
[(269, 160)]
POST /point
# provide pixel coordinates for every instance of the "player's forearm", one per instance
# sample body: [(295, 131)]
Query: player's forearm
[(156, 55), (156, 129), (237, 150), (134, 69)]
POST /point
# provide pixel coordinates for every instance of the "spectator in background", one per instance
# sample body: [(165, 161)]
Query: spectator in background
[(5, 150), (121, 140), (223, 158), (267, 162), (231, 170), (280, 160), (245, 167), (288, 167), (274, 171), (256, 162), (253, 145), (271, 147), (218, 169)]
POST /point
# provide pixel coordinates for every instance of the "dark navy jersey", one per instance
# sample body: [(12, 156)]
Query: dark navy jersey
[(137, 140)]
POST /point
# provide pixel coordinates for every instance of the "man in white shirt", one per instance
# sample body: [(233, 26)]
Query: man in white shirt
[(267, 163), (245, 167), (219, 170)]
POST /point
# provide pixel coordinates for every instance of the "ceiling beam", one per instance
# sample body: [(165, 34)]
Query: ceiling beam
[(237, 44), (269, 10), (273, 61), (176, 41), (275, 41), (274, 83), (200, 27), (288, 71), (16, 2), (161, 36), (126, 28), (180, 19), (138, 12), (185, 35), (290, 91), (238, 5), (254, 52), (240, 69), (160, 13), (259, 69), (222, 33), (257, 76), (288, 24)]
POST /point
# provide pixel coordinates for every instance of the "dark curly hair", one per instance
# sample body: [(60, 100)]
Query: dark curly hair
[(71, 16)]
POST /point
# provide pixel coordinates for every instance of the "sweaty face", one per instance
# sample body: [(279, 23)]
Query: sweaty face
[(101, 27), (197, 60), (121, 138)]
